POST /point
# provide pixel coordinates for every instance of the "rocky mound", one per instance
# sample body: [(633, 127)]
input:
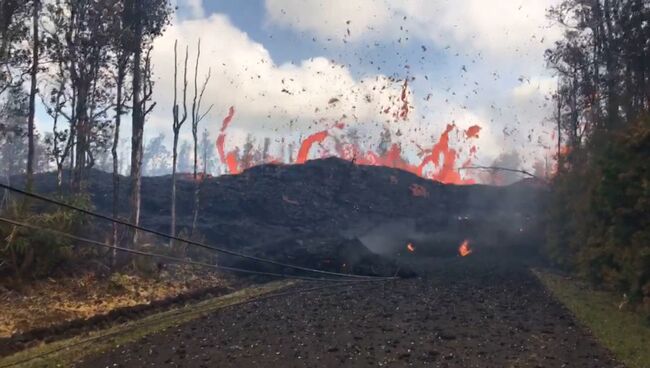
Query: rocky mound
[(335, 215)]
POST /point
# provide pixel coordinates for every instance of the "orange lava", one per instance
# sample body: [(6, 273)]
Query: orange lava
[(230, 158), (438, 163), (446, 171), (472, 132), (305, 147), (464, 250)]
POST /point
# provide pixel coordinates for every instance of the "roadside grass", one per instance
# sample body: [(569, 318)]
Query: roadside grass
[(625, 333), (65, 353)]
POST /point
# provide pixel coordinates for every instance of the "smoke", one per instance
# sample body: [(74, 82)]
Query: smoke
[(508, 160), (389, 238), (392, 237)]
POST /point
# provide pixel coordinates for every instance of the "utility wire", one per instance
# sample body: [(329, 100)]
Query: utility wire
[(176, 315), (187, 241), (174, 259)]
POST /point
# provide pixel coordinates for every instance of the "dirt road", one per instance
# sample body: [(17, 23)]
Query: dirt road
[(467, 313)]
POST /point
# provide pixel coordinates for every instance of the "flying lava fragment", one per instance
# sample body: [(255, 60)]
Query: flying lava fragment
[(464, 250)]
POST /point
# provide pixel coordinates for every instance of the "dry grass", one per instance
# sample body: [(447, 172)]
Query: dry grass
[(65, 353), (48, 302), (624, 331)]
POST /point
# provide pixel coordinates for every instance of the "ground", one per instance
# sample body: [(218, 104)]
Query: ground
[(40, 307), (462, 312)]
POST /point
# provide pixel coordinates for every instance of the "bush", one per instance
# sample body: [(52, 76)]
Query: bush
[(31, 253), (599, 221)]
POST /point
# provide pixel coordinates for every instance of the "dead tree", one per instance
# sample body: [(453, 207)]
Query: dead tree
[(197, 116), (176, 128)]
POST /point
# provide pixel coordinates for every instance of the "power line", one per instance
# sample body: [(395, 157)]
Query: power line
[(170, 258), (175, 316), (187, 241)]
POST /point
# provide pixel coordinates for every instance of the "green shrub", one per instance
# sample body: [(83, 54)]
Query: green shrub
[(599, 218), (33, 253)]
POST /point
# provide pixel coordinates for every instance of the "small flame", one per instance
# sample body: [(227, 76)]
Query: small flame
[(410, 247), (464, 250)]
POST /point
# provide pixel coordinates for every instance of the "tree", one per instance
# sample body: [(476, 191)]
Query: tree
[(13, 30), (207, 153), (178, 121), (145, 20), (13, 144), (197, 117), (595, 219), (79, 44), (155, 158), (59, 143), (121, 60), (36, 5), (184, 158)]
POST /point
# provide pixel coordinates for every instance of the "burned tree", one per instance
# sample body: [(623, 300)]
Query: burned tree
[(197, 117), (177, 124)]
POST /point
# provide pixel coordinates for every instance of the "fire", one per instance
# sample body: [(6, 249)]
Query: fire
[(464, 250), (438, 163), (410, 247), (230, 158)]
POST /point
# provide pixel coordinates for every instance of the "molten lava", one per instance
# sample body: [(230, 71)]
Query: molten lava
[(438, 163), (464, 250), (230, 158), (410, 247), (472, 132), (305, 147)]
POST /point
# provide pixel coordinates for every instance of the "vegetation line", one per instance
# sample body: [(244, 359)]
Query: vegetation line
[(625, 332)]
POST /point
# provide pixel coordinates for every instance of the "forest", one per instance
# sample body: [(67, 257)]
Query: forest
[(599, 215)]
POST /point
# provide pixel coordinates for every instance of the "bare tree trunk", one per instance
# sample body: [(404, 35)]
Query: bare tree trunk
[(32, 96), (137, 126), (198, 184), (197, 116), (121, 71), (559, 127), (82, 135), (195, 126), (176, 127)]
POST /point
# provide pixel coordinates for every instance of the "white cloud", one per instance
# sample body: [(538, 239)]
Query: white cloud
[(290, 100), (244, 75), (500, 29)]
